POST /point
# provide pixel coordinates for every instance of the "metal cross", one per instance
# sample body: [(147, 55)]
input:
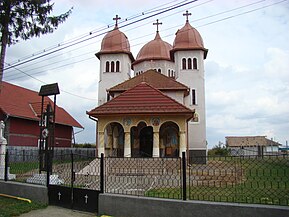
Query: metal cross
[(59, 195), (187, 14), (157, 23), (86, 197), (116, 19)]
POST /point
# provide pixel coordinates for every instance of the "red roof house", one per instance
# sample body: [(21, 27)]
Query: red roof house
[(20, 109)]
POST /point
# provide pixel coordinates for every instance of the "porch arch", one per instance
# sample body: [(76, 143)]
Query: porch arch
[(169, 139), (114, 140)]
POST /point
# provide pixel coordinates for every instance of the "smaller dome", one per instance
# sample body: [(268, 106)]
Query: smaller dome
[(113, 42), (188, 38), (156, 49)]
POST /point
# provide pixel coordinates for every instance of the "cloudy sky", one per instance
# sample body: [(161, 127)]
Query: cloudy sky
[(246, 70)]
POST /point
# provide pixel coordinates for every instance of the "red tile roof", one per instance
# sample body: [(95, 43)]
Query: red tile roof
[(155, 79), (23, 103), (142, 99)]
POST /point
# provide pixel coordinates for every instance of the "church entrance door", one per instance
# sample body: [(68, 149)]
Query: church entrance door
[(146, 142)]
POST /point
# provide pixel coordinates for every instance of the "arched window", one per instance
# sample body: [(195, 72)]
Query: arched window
[(184, 63), (159, 70), (117, 66), (173, 74), (169, 73), (189, 63), (107, 66), (195, 63), (112, 66)]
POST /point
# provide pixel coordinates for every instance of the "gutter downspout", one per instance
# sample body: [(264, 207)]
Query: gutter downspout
[(96, 137), (187, 134)]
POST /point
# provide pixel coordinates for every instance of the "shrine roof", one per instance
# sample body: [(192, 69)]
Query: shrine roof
[(142, 99)]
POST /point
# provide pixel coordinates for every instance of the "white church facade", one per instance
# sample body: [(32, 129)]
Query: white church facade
[(159, 111)]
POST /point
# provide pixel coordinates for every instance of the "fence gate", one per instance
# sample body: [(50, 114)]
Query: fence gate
[(76, 182)]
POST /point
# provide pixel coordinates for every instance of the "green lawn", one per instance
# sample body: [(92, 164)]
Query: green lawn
[(261, 181), (13, 207)]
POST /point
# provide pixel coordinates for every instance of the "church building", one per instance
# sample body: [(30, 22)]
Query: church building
[(159, 111)]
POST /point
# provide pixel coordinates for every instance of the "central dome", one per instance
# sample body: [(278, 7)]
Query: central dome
[(156, 49), (114, 42)]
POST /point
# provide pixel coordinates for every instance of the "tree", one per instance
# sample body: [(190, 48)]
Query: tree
[(219, 150), (24, 19)]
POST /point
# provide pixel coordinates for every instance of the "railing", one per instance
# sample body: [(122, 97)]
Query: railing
[(250, 179), (143, 176)]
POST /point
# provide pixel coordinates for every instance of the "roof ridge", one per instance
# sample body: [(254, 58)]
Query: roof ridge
[(142, 76)]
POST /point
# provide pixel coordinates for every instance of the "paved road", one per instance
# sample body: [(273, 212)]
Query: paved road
[(54, 211)]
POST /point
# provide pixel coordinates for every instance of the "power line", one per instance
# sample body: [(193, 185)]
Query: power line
[(220, 20), (46, 83), (177, 26), (83, 40)]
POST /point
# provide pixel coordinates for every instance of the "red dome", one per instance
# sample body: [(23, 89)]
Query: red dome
[(113, 42), (188, 38), (156, 49)]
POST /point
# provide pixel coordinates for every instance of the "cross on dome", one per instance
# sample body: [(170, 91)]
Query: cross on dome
[(157, 24), (187, 14), (116, 19)]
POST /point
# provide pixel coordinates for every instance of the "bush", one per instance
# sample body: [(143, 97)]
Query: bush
[(219, 150)]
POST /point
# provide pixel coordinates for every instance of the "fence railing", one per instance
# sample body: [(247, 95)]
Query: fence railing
[(250, 179)]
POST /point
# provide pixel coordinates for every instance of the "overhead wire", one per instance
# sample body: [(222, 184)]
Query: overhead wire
[(26, 74), (88, 34)]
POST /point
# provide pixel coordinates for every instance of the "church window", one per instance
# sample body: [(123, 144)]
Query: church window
[(195, 63), (112, 66), (189, 63), (117, 66), (184, 63), (194, 97), (169, 72), (159, 70), (107, 66)]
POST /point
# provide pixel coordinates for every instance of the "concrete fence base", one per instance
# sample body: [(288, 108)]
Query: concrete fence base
[(37, 193), (132, 206)]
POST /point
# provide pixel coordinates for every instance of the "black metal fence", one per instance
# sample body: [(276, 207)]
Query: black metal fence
[(250, 179)]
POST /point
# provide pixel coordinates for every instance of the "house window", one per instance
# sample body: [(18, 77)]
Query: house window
[(195, 63), (112, 66), (107, 97), (184, 63), (194, 97), (169, 73), (189, 63), (107, 66), (159, 70), (117, 66)]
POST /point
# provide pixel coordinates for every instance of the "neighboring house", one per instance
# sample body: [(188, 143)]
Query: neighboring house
[(160, 110), (251, 145), (20, 109)]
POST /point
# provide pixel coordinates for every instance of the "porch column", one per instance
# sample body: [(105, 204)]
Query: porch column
[(182, 143), (127, 146), (156, 145), (100, 143)]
